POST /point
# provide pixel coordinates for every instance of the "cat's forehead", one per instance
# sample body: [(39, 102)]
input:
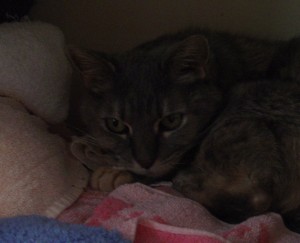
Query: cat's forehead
[(139, 107), (140, 81), (141, 69), (143, 89)]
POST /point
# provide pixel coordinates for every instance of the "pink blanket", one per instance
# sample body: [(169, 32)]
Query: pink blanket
[(144, 214)]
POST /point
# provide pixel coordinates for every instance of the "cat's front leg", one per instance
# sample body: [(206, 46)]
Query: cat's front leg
[(106, 179)]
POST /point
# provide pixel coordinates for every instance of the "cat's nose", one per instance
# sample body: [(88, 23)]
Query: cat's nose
[(145, 163)]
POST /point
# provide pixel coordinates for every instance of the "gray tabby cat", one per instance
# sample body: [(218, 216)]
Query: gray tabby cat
[(146, 110), (249, 162)]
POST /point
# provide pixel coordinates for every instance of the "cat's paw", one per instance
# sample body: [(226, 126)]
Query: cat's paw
[(107, 179), (183, 181), (186, 183)]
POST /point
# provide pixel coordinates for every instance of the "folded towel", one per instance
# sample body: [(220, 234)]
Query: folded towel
[(144, 214)]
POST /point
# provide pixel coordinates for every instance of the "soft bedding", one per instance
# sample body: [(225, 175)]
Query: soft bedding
[(141, 214), (40, 178), (159, 214), (38, 174)]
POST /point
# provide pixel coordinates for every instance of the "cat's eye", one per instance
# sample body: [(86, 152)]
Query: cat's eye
[(171, 122), (116, 126)]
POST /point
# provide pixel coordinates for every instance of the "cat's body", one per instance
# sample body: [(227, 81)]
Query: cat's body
[(249, 163), (147, 109), (232, 58)]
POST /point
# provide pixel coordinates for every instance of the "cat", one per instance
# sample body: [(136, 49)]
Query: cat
[(249, 162), (144, 111)]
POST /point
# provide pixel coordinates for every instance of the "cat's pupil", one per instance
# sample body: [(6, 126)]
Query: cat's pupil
[(171, 119), (115, 122), (116, 126), (171, 122)]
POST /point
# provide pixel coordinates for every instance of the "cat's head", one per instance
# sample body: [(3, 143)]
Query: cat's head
[(143, 109)]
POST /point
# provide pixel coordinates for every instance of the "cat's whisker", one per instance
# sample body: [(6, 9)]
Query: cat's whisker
[(90, 141), (87, 137), (77, 129), (173, 157)]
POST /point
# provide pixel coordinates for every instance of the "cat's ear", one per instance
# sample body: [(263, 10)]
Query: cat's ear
[(189, 59), (97, 71)]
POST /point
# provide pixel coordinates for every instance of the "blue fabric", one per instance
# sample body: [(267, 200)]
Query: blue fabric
[(27, 229)]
